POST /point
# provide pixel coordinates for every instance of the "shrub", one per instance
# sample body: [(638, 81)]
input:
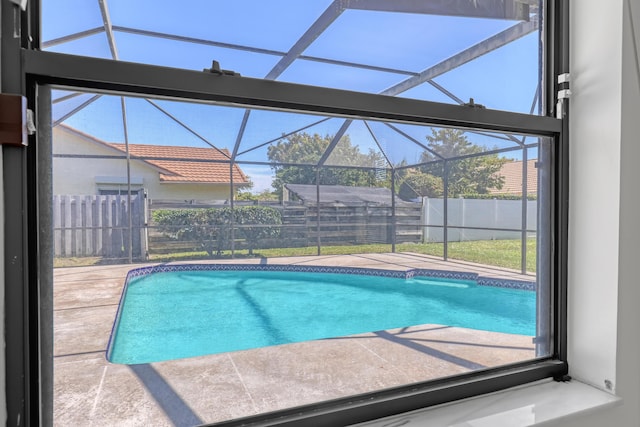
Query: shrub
[(211, 227), (254, 222)]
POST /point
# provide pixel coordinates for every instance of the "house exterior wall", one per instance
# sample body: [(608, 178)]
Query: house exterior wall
[(188, 192), (78, 176)]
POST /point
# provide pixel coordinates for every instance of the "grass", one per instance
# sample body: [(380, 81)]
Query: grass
[(499, 253)]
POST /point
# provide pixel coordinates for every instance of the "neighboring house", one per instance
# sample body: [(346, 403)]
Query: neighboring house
[(85, 165), (512, 174)]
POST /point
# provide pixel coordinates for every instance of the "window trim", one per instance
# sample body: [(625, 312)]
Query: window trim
[(141, 79), (40, 69)]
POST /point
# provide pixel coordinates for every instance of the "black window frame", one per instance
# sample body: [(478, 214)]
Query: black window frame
[(28, 71)]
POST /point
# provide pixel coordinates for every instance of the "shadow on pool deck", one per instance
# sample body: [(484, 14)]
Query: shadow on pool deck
[(171, 403), (88, 390)]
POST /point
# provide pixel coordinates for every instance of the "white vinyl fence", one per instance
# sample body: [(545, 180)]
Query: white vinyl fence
[(493, 216), (92, 225)]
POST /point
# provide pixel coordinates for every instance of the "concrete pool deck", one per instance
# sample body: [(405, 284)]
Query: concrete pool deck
[(88, 390)]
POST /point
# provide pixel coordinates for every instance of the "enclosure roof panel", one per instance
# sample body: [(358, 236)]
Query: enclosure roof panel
[(485, 53)]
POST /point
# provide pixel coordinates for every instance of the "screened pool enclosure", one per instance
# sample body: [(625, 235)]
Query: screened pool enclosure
[(152, 178), (378, 136)]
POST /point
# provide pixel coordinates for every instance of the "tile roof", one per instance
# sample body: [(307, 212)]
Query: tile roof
[(187, 164), (512, 173)]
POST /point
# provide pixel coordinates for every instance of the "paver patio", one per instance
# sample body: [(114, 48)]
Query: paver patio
[(88, 390)]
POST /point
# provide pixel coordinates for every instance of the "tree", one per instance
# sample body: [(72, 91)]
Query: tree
[(468, 175), (415, 184), (304, 149), (248, 196)]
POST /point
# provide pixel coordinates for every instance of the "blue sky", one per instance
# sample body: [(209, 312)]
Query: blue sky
[(504, 79)]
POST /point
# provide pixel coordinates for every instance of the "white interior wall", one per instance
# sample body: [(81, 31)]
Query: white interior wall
[(595, 140), (603, 284)]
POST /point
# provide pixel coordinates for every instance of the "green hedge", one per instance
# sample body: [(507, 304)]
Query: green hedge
[(211, 227)]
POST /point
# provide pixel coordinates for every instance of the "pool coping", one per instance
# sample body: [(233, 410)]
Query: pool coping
[(400, 274)]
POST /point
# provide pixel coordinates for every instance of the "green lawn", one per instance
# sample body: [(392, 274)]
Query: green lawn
[(499, 253)]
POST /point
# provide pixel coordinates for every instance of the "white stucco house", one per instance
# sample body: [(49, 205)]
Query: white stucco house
[(86, 165)]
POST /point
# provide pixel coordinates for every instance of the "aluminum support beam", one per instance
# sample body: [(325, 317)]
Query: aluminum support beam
[(523, 211), (393, 211), (322, 23), (241, 129), (231, 46), (231, 217), (468, 156), (334, 142), (415, 141), (493, 9), (375, 139), (318, 238), (106, 18), (67, 97), (125, 127), (187, 128), (445, 211), (283, 136), (72, 37), (77, 109), (194, 40), (492, 43)]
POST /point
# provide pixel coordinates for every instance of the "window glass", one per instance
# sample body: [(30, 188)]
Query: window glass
[(438, 51), (410, 250)]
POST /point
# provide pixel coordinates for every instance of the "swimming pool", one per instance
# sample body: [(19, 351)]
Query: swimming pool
[(173, 312)]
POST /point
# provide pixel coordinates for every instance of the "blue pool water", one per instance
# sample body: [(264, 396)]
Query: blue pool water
[(172, 315)]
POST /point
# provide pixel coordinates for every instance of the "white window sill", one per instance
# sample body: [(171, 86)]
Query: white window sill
[(529, 405)]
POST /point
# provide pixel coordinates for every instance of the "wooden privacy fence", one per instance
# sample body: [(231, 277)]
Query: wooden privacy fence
[(352, 224), (93, 225)]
